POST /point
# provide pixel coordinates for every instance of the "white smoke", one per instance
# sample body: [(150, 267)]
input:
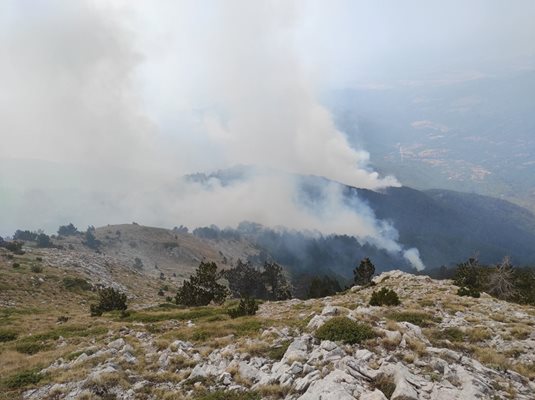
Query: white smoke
[(180, 87), (413, 256)]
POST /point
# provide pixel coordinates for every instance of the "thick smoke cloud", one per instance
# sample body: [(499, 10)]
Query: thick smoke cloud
[(124, 99)]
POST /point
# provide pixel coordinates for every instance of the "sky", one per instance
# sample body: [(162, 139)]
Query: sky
[(114, 101)]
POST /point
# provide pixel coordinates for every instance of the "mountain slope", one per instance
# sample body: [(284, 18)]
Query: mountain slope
[(448, 227), (435, 346)]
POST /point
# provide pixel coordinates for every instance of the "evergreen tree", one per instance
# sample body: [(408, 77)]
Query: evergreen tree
[(109, 300), (43, 240), (469, 274), (202, 288), (25, 235), (363, 274), (276, 283), (322, 287), (245, 281), (67, 230), (90, 239)]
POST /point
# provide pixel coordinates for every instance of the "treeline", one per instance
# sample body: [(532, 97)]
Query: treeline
[(503, 281), (244, 281), (266, 283), (41, 239), (305, 254)]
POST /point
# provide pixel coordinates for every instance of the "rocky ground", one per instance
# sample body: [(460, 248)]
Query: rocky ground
[(435, 345)]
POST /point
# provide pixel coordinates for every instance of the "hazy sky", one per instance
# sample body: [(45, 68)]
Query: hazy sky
[(165, 88), (104, 81)]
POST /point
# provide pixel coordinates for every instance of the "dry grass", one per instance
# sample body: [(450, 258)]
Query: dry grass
[(273, 391), (527, 370), (492, 358), (390, 344), (498, 317), (392, 325), (418, 347), (478, 334), (520, 332)]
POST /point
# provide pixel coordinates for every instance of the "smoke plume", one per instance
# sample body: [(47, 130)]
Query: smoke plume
[(140, 96)]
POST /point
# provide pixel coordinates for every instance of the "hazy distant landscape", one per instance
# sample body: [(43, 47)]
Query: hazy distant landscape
[(472, 135)]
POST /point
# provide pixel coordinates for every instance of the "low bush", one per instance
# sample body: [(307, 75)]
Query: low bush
[(468, 291), (7, 336), (417, 318), (37, 269), (385, 384), (345, 330), (109, 300), (76, 284), (30, 347), (247, 306), (452, 334), (16, 265), (22, 379), (15, 247), (229, 395), (276, 353), (384, 297)]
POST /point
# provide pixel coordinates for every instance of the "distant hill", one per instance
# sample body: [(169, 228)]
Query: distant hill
[(448, 227)]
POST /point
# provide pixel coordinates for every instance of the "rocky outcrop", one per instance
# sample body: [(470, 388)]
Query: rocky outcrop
[(406, 356)]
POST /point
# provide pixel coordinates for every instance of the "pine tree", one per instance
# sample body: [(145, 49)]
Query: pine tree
[(202, 288), (245, 280), (363, 274), (276, 283)]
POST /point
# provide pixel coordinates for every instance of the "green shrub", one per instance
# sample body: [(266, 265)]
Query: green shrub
[(276, 353), (384, 297), (95, 310), (345, 330), (76, 284), (15, 247), (245, 326), (7, 336), (452, 334), (16, 265), (37, 269), (229, 395), (247, 306), (30, 347), (468, 291), (22, 379), (385, 384), (109, 300), (416, 318)]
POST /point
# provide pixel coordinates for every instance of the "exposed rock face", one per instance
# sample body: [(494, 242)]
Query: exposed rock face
[(410, 358)]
